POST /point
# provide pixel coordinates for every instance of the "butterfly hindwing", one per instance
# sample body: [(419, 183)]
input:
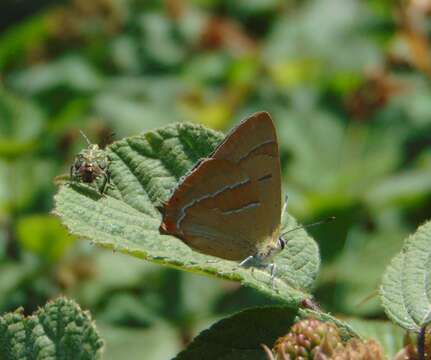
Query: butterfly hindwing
[(204, 209)]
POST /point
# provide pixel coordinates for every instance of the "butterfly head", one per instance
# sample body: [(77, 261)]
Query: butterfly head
[(281, 243), (266, 255), (279, 246)]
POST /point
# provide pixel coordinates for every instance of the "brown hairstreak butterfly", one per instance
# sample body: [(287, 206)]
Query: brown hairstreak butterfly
[(229, 204)]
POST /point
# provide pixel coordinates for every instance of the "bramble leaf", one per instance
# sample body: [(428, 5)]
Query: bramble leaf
[(60, 330), (406, 286), (145, 169), (227, 340)]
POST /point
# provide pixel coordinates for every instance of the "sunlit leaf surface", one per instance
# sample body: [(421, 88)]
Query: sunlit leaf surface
[(59, 330), (145, 169)]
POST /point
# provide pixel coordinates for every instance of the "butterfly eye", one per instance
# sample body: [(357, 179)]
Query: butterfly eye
[(281, 243)]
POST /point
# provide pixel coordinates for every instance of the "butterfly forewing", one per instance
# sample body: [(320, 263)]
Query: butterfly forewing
[(253, 146), (230, 204)]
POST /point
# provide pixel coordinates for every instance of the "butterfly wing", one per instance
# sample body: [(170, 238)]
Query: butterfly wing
[(253, 146), (207, 210), (229, 205)]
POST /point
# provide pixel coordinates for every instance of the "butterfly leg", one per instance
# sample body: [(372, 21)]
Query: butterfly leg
[(104, 183), (253, 275), (245, 263), (273, 268), (246, 260)]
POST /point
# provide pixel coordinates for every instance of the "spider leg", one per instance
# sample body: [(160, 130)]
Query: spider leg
[(105, 181)]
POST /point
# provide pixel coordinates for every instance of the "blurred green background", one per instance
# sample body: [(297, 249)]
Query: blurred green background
[(347, 82)]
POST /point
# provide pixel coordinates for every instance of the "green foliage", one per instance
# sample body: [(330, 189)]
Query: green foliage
[(60, 330), (405, 289), (71, 72), (359, 269), (21, 38), (228, 339), (349, 160), (21, 123), (44, 236), (347, 83), (144, 170), (140, 343)]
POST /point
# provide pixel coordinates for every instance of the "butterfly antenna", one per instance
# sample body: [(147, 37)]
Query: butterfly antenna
[(85, 137), (325, 221), (367, 298)]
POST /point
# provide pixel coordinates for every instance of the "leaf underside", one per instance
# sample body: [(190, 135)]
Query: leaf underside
[(406, 286), (145, 169), (227, 340), (60, 330)]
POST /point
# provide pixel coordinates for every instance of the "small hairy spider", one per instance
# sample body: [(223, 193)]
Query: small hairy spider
[(90, 164)]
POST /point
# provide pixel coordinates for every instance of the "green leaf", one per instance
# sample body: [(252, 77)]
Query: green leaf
[(159, 342), (239, 336), (60, 330), (28, 176), (359, 269), (20, 124), (44, 236), (72, 72), (159, 44), (12, 277), (401, 189), (21, 38), (314, 140), (406, 286), (145, 169)]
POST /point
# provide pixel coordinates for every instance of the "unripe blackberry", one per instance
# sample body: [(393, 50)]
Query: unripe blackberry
[(307, 338), (356, 349), (408, 352)]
